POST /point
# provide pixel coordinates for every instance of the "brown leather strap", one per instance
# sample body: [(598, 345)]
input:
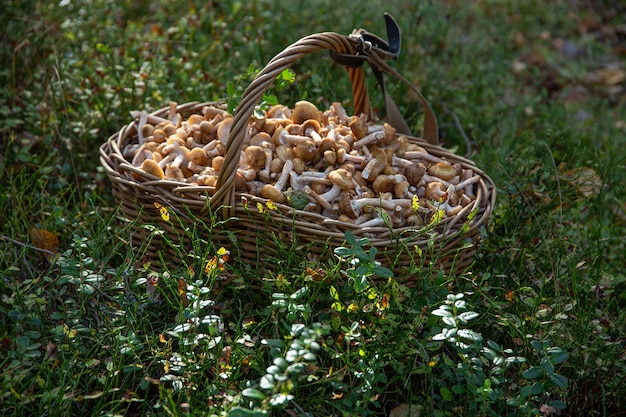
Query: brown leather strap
[(372, 49)]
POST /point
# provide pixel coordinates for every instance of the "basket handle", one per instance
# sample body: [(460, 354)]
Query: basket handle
[(358, 44)]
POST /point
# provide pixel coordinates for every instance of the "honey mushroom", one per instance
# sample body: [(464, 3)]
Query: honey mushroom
[(347, 167)]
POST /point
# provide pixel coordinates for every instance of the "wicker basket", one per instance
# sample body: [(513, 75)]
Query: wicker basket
[(231, 219)]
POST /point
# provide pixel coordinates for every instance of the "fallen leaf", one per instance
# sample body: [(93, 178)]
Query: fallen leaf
[(608, 76), (406, 410), (46, 240), (585, 179), (619, 211)]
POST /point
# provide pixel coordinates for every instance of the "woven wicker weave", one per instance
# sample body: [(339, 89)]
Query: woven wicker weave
[(252, 236)]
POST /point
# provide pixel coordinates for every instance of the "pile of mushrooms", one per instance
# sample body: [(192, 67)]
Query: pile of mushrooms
[(344, 167)]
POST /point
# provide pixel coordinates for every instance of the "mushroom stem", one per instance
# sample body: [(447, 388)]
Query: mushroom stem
[(331, 194), (284, 175), (368, 139), (401, 162), (153, 120), (317, 198), (143, 119), (467, 183), (376, 221), (358, 204), (424, 156)]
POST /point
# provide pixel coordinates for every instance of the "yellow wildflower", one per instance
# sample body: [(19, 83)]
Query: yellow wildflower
[(415, 202), (437, 216), (165, 215)]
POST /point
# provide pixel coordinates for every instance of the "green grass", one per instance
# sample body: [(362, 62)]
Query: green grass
[(85, 332)]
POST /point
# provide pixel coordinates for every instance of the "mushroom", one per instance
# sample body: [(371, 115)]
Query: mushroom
[(249, 174), (306, 151), (149, 166), (223, 130), (375, 165), (304, 110), (275, 192), (311, 128), (341, 180), (376, 221), (262, 139), (424, 156), (442, 170), (284, 152), (401, 189), (358, 125), (389, 134), (357, 205), (383, 184), (344, 156), (339, 113), (369, 139), (315, 197), (255, 157), (158, 135), (197, 160), (435, 191), (414, 172), (279, 111), (217, 162)]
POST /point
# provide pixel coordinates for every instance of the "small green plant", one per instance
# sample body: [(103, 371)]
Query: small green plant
[(234, 90), (481, 373), (363, 264)]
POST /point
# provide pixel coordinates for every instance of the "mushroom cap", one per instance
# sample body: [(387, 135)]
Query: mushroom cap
[(380, 155), (401, 188), (223, 129), (383, 184), (359, 126), (390, 134), (442, 170), (151, 167), (346, 207), (158, 135), (342, 177), (299, 165), (414, 173), (195, 119), (285, 152), (217, 162), (278, 111), (271, 193), (327, 144), (255, 156), (276, 165), (308, 125), (206, 127), (173, 172), (240, 182), (262, 139), (306, 150), (198, 156), (305, 110), (432, 189), (147, 130)]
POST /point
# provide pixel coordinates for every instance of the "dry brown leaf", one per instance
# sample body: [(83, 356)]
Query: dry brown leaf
[(608, 76), (619, 211), (406, 410), (585, 179), (46, 240)]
